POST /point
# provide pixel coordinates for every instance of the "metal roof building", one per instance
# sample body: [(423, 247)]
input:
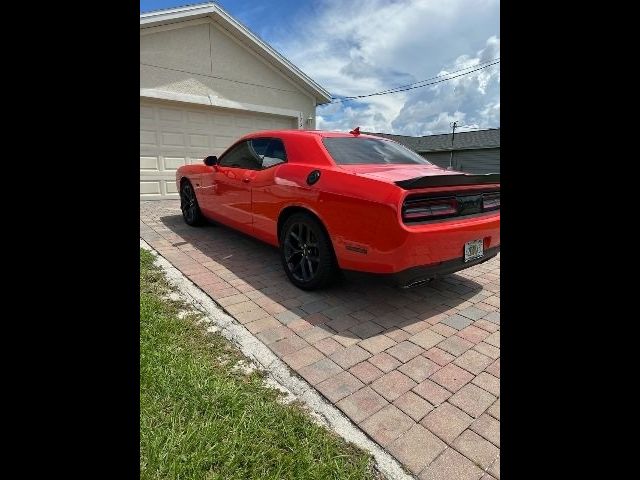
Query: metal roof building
[(474, 152)]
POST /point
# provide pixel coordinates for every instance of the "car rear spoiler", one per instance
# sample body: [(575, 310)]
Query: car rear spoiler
[(448, 180)]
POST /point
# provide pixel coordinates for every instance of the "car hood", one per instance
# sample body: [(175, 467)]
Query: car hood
[(395, 173)]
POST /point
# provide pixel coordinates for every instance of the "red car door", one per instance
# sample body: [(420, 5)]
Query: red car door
[(264, 204), (226, 194)]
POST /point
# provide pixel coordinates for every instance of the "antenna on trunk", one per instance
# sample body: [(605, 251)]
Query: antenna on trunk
[(355, 131)]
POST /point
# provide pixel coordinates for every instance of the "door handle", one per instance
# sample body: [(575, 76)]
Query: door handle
[(246, 180)]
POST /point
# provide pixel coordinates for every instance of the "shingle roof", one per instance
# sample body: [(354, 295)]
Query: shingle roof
[(463, 141)]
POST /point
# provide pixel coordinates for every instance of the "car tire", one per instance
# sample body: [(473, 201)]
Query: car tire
[(189, 205), (306, 251)]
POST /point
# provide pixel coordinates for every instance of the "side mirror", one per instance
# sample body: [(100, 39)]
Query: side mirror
[(211, 160)]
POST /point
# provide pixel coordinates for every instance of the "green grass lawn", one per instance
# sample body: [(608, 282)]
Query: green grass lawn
[(201, 418)]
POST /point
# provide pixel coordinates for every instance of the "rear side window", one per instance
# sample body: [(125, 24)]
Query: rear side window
[(274, 153), (255, 154), (352, 151)]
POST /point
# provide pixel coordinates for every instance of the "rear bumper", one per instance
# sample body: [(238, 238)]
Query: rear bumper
[(421, 273), (397, 248)]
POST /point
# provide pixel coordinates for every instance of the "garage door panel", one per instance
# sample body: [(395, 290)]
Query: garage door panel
[(149, 163), (199, 140), (199, 118), (173, 163), (173, 139), (149, 150), (171, 115), (148, 138), (170, 187), (223, 119), (172, 135), (222, 141), (262, 124), (243, 122), (150, 187), (226, 130)]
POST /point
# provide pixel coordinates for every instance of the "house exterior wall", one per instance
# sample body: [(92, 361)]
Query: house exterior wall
[(200, 58)]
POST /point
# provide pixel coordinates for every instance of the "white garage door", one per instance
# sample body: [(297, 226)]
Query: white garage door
[(172, 134)]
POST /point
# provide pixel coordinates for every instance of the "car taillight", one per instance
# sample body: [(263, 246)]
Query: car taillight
[(419, 210), (490, 201)]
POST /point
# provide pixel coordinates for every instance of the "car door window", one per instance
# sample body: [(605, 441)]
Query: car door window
[(259, 147), (242, 155), (274, 153), (255, 154)]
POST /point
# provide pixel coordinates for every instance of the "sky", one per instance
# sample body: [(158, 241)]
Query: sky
[(358, 47)]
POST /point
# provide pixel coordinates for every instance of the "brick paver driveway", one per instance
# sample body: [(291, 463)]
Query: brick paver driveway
[(418, 370)]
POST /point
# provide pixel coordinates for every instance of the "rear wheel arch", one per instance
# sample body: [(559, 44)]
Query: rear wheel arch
[(292, 209), (312, 243)]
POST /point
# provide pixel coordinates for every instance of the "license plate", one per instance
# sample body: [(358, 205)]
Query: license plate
[(472, 250)]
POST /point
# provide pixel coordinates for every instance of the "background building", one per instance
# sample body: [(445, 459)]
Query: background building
[(473, 152)]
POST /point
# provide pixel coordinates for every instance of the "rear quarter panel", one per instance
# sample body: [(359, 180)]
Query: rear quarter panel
[(351, 208)]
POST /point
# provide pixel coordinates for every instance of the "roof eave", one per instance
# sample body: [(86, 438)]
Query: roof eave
[(217, 13)]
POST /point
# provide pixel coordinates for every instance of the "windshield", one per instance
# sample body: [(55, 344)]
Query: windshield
[(350, 151)]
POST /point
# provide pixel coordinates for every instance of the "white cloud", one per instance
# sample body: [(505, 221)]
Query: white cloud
[(364, 46), (473, 100)]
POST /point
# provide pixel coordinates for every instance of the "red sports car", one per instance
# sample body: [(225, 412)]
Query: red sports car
[(346, 201)]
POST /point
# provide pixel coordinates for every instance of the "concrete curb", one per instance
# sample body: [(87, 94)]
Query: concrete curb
[(278, 371)]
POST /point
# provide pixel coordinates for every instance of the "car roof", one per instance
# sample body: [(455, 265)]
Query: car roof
[(304, 133)]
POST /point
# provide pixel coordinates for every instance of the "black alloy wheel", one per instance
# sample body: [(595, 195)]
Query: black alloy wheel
[(307, 253), (189, 205)]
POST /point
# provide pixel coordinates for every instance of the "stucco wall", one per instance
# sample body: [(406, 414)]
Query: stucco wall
[(200, 58)]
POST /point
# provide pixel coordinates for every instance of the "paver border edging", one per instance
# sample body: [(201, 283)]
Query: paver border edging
[(277, 370)]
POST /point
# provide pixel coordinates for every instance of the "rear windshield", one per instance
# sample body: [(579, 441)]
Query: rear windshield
[(349, 151)]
